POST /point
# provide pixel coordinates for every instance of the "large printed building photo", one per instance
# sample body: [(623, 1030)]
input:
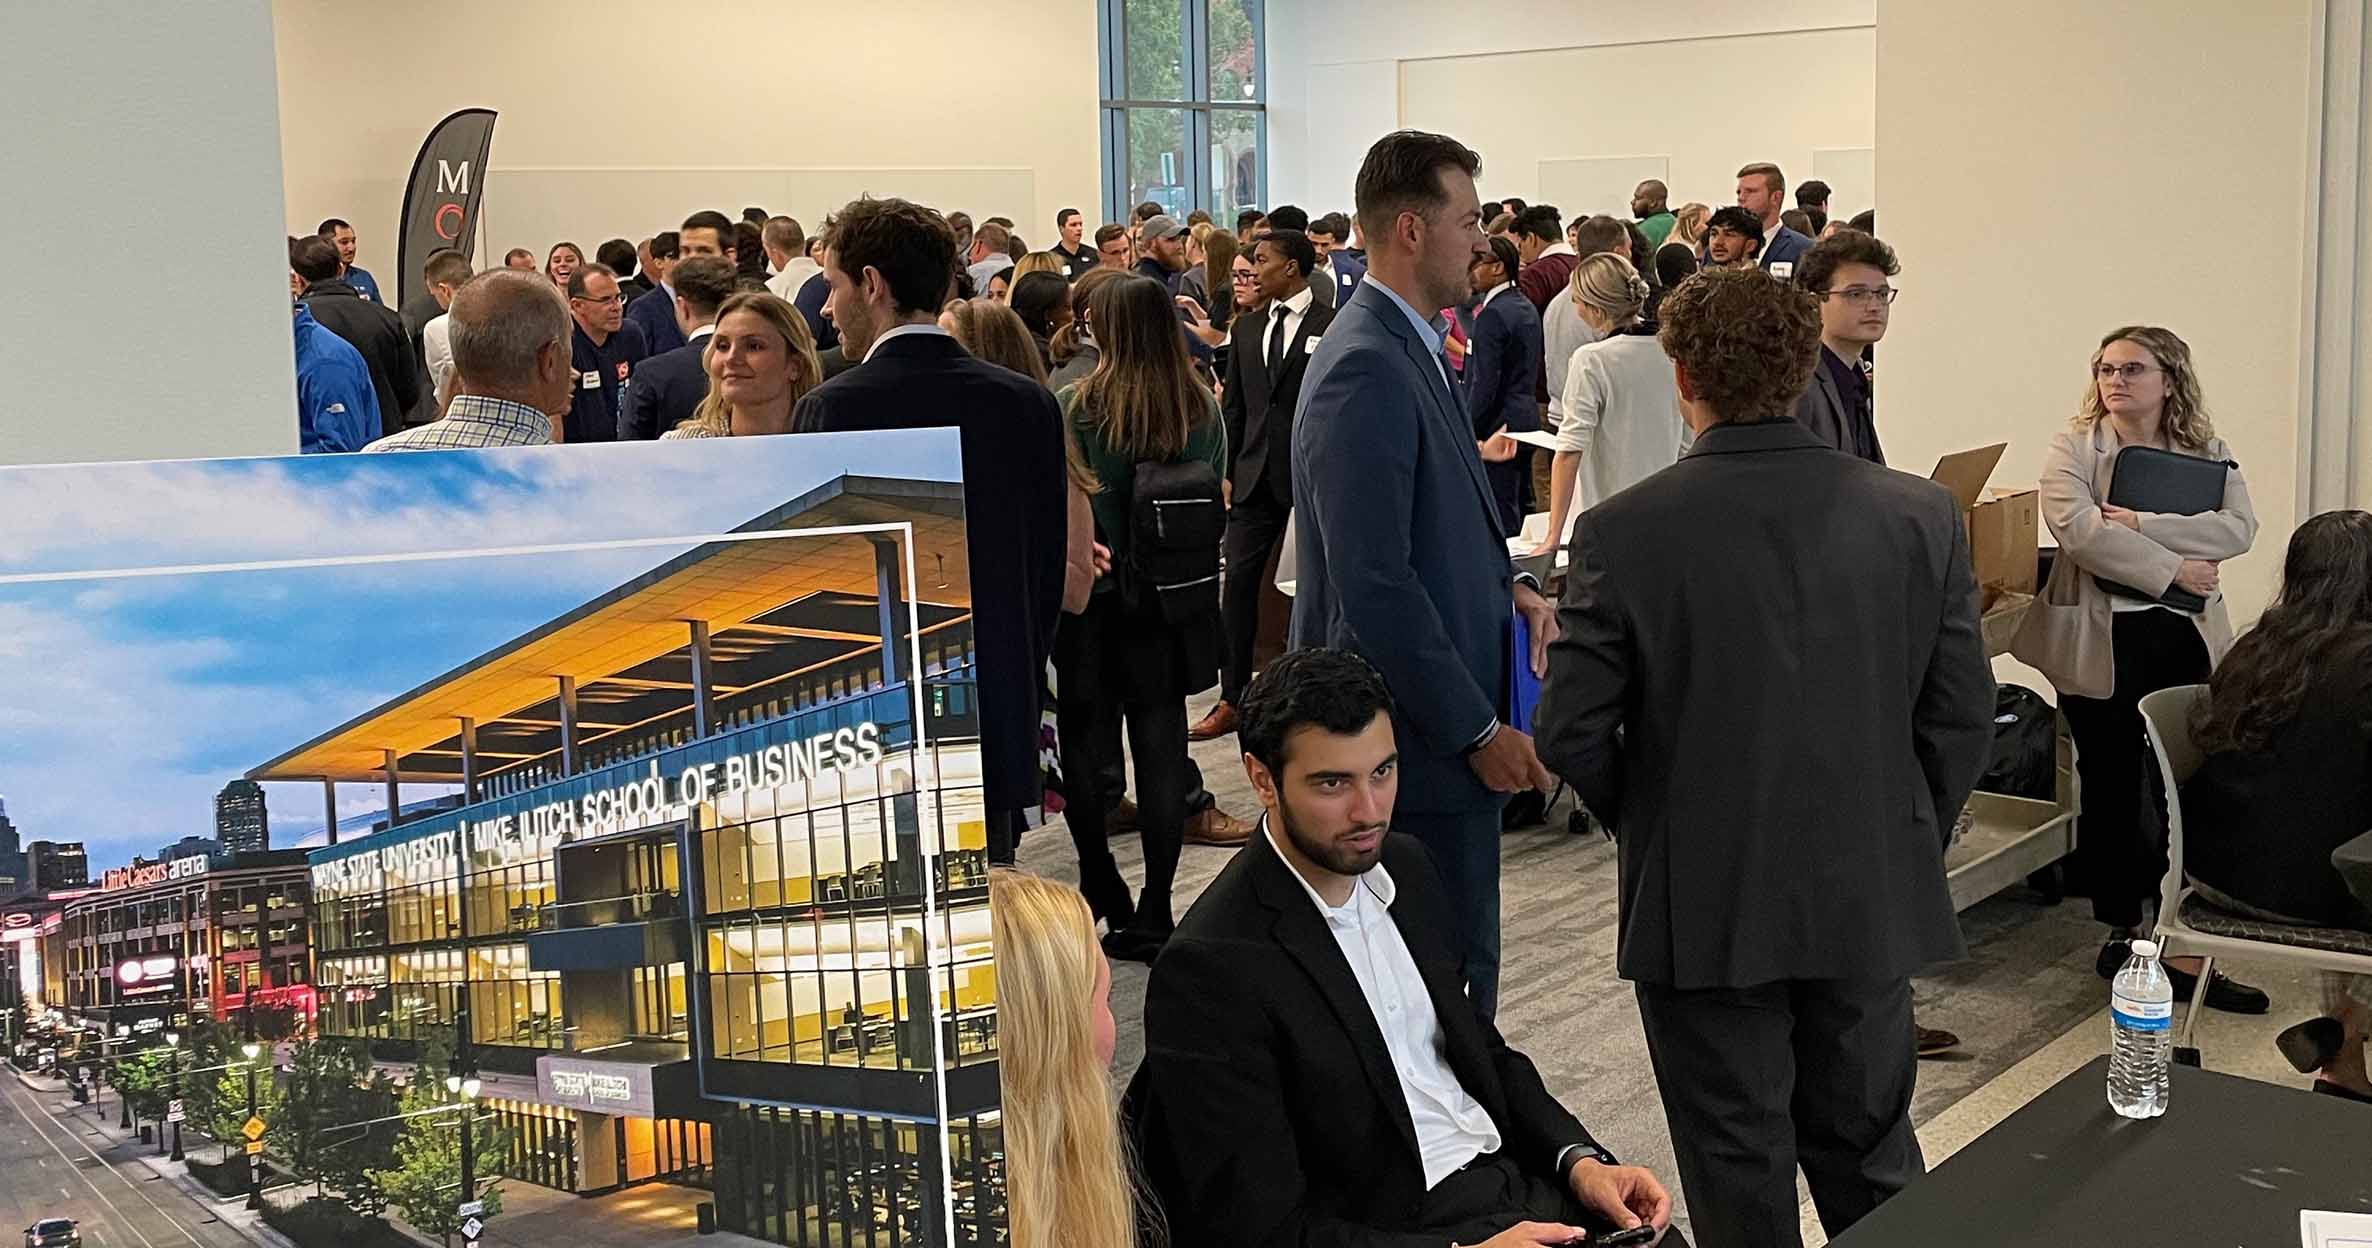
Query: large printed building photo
[(692, 874)]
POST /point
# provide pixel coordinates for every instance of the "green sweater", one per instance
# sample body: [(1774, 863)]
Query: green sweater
[(1116, 470), (1657, 228)]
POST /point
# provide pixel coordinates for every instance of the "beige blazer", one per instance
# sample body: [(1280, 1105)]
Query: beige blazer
[(2067, 634)]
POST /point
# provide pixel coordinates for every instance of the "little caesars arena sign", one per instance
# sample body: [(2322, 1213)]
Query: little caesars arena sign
[(522, 836)]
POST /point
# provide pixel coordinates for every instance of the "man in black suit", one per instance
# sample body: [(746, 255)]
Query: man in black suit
[(1265, 358), (665, 389), (1314, 1073), (374, 329), (889, 264), (1770, 686), (653, 311)]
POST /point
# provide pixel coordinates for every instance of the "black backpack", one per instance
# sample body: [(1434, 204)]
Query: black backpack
[(1176, 520), (2025, 759)]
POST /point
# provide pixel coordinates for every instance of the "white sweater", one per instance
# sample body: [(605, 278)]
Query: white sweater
[(1622, 416)]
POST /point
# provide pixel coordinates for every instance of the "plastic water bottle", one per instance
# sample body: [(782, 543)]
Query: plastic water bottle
[(2141, 1014)]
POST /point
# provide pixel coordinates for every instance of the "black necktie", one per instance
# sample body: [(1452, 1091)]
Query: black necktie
[(1276, 340)]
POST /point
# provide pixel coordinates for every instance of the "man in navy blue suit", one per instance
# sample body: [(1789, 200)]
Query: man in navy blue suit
[(667, 388), (1503, 358), (653, 311), (1400, 557), (1762, 191), (1330, 235)]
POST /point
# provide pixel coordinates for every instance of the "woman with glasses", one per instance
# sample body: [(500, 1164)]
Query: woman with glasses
[(2104, 651)]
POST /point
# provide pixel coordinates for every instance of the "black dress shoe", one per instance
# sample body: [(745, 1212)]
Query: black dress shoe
[(2223, 993), (2311, 1045), (2114, 954)]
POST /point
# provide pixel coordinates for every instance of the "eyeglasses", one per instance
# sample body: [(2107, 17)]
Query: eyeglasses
[(598, 302), (1865, 294), (2130, 372), (1244, 277)]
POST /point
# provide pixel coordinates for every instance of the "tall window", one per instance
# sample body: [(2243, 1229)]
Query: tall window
[(1185, 106)]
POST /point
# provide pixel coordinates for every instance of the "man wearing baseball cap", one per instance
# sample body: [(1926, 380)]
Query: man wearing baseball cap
[(1163, 241)]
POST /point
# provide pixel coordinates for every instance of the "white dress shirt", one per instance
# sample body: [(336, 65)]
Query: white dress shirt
[(1493, 293), (786, 284), (436, 339), (1452, 1127), (1290, 310), (919, 327)]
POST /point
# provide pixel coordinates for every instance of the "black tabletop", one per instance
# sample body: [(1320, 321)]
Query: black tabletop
[(2229, 1165)]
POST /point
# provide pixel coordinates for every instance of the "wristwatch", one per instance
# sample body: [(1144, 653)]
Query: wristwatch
[(1578, 1153)]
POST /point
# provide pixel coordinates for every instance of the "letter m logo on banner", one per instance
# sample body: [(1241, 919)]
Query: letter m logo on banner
[(442, 195), (451, 181)]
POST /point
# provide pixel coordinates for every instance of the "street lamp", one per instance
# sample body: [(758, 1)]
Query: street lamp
[(255, 1166), (467, 1090), (173, 1042)]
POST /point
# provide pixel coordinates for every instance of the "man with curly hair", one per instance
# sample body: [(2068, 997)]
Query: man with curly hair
[(1769, 684)]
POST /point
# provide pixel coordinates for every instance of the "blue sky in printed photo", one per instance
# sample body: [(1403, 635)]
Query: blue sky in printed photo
[(127, 702)]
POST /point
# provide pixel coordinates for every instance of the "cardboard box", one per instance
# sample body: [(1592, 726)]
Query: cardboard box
[(2003, 525), (2003, 531)]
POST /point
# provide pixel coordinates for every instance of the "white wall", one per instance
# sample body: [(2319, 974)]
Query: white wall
[(2057, 168), (166, 334), (792, 107), (1563, 78), (1708, 106)]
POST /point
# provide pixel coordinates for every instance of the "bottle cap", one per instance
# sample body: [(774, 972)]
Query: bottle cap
[(2145, 949)]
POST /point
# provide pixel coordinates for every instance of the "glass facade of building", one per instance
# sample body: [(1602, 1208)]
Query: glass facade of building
[(828, 880)]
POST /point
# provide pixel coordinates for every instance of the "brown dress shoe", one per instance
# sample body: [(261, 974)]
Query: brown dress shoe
[(1215, 725), (1217, 827), (1121, 820), (1935, 1043)]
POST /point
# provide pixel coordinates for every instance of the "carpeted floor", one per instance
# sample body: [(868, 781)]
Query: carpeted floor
[(2028, 978)]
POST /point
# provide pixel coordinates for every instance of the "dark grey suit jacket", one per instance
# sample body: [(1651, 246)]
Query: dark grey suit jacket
[(1823, 411), (1786, 637), (1397, 545)]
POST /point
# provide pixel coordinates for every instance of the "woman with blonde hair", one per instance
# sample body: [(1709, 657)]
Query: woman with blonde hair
[(1688, 232), (1040, 262), (761, 361), (1069, 1179), (2104, 649), (1622, 409)]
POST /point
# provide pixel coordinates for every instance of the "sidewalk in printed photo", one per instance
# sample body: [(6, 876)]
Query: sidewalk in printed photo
[(532, 1217)]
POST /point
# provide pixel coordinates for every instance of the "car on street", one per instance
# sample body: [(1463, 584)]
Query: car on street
[(53, 1233)]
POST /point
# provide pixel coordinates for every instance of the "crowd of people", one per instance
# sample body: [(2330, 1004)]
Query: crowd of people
[(1763, 675)]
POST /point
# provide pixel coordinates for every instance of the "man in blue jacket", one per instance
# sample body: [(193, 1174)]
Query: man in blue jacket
[(341, 236), (1337, 265), (336, 408), (1762, 191), (1398, 547), (1502, 360)]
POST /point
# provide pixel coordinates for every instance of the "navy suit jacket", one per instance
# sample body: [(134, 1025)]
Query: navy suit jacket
[(1348, 269), (1016, 520), (1502, 361), (1784, 247), (1397, 545), (662, 392), (654, 315)]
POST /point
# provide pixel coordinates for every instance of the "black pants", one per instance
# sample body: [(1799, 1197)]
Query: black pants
[(1757, 1081), (2121, 836), (1112, 667), (1493, 1193), (1255, 527)]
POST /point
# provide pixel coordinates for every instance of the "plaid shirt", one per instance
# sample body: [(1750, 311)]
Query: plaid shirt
[(474, 421)]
